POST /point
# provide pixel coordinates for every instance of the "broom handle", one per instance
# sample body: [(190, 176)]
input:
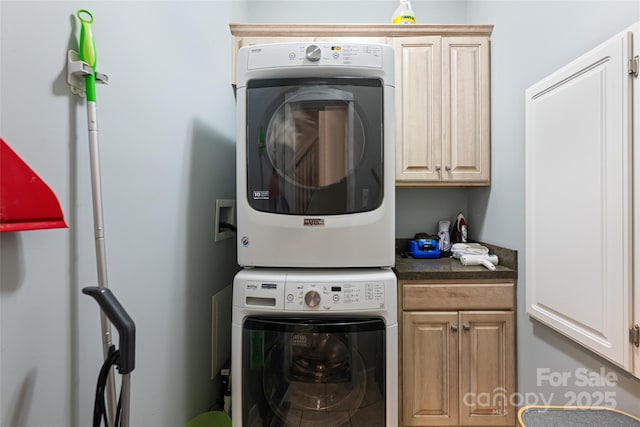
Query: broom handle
[(88, 55)]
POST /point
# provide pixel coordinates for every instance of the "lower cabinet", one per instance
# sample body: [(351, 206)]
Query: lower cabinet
[(457, 366)]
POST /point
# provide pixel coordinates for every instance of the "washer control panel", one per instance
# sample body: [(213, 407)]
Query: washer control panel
[(306, 296), (334, 296)]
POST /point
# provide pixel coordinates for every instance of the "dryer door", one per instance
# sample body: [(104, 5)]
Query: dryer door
[(313, 372), (314, 146)]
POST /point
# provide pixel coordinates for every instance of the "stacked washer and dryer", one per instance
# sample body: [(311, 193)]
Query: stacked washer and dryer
[(314, 331)]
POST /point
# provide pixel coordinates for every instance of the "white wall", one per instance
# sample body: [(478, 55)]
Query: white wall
[(167, 139)]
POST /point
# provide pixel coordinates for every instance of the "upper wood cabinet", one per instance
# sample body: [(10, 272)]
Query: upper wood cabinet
[(443, 118)]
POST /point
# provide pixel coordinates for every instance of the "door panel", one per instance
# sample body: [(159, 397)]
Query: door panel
[(487, 371), (635, 315), (466, 109), (430, 355), (578, 184), (418, 111)]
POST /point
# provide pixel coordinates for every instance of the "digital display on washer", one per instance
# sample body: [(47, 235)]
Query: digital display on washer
[(315, 145)]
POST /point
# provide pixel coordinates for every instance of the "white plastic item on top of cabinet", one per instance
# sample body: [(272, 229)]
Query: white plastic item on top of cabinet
[(579, 200)]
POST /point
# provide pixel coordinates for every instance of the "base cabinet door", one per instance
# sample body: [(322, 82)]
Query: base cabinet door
[(487, 371), (430, 366)]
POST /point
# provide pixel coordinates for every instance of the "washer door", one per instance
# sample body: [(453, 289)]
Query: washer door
[(313, 372)]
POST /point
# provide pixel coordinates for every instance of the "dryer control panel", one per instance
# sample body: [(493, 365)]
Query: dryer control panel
[(314, 54)]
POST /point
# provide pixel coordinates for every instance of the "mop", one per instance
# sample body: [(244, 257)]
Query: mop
[(111, 310)]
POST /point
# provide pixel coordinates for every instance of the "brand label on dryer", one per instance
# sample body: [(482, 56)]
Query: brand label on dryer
[(313, 222), (261, 195)]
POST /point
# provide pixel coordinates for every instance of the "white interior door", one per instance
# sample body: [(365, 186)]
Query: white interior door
[(635, 48), (578, 200)]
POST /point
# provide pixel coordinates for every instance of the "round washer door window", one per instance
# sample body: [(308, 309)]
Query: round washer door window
[(317, 379)]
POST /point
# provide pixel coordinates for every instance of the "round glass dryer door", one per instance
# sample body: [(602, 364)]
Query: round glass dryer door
[(314, 146), (315, 138)]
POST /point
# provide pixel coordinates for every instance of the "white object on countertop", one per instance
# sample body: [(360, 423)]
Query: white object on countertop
[(488, 260), (459, 249)]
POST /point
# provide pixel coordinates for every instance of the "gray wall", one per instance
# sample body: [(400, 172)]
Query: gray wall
[(532, 39), (167, 139), (167, 143)]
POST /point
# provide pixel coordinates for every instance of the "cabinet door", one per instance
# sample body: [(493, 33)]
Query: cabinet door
[(487, 368), (418, 109), (430, 368), (578, 193), (466, 129)]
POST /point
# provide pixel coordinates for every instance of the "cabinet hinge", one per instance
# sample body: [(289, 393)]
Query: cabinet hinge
[(634, 66), (634, 335)]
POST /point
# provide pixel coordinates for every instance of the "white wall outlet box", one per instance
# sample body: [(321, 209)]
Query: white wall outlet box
[(225, 212)]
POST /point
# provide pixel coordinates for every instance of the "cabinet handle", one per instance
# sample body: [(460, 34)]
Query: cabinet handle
[(454, 328), (448, 168), (438, 168), (466, 327)]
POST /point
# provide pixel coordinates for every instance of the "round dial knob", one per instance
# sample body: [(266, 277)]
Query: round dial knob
[(312, 299), (313, 53)]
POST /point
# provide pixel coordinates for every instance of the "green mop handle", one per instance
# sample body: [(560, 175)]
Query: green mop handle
[(88, 52)]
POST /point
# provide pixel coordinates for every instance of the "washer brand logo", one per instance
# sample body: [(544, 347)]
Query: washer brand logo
[(245, 241), (256, 50), (314, 222)]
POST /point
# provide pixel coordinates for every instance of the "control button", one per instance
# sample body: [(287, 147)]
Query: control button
[(336, 298), (290, 297), (312, 299), (336, 55), (313, 53), (292, 55)]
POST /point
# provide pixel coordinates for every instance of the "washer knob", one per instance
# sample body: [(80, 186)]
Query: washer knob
[(313, 53), (312, 299)]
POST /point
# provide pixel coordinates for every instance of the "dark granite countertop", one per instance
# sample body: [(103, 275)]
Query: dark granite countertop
[(452, 269)]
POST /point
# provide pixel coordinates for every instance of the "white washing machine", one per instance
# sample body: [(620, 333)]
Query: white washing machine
[(315, 348), (315, 155)]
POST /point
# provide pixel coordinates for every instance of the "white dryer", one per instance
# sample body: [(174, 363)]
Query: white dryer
[(315, 155), (315, 348)]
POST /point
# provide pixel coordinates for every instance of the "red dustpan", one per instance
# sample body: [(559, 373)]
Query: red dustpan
[(26, 201)]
